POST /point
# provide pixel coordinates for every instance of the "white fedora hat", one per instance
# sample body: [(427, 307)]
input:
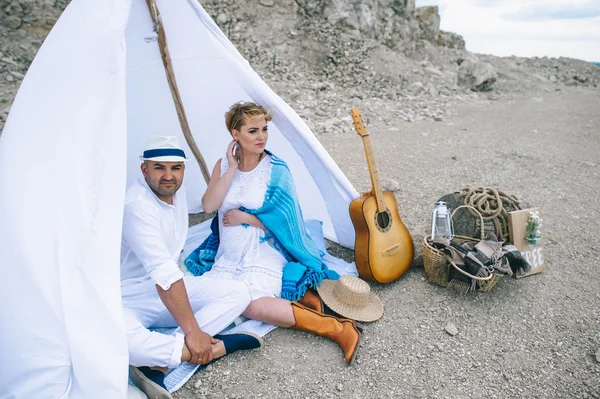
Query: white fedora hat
[(163, 149), (351, 297)]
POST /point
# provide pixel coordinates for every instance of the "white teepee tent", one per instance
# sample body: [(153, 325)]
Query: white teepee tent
[(94, 93)]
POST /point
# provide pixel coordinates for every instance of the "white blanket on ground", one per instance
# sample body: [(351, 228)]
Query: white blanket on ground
[(175, 378)]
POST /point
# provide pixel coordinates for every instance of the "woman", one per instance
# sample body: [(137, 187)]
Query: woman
[(259, 231)]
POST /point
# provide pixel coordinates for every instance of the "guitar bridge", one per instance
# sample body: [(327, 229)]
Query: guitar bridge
[(392, 250)]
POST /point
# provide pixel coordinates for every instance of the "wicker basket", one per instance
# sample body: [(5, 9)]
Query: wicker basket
[(437, 263)]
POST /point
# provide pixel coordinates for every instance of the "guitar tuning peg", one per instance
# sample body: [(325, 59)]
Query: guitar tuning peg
[(368, 123)]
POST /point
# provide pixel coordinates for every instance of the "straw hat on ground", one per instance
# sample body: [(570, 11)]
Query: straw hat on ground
[(351, 297)]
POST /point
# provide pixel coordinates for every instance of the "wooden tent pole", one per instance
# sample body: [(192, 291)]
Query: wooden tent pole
[(166, 57)]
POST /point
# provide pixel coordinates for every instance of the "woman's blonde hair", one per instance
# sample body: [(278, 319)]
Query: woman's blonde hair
[(241, 112)]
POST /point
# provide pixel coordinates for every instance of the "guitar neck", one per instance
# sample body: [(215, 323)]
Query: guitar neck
[(376, 183)]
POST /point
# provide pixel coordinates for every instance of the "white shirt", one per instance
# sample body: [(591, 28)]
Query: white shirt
[(154, 234)]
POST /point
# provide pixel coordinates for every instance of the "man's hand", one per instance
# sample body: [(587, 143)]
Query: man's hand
[(197, 342), (200, 345)]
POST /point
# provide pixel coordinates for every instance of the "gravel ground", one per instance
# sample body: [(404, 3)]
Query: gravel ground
[(538, 337)]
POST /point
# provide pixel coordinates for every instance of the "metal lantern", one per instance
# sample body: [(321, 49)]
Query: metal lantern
[(441, 222)]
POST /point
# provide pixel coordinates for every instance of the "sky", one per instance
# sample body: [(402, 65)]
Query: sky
[(527, 28)]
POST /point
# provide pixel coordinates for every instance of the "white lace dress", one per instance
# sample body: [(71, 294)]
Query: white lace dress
[(243, 253)]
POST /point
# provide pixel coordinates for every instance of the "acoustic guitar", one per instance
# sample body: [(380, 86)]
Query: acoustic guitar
[(384, 248)]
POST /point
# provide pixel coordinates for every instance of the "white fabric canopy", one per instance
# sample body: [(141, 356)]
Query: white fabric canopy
[(212, 75), (62, 164), (93, 95)]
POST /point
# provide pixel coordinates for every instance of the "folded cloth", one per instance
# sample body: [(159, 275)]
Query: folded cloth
[(481, 259), (517, 263), (508, 257), (282, 217), (467, 261), (490, 252)]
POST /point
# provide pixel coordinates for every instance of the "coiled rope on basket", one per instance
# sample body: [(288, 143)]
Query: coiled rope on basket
[(492, 204)]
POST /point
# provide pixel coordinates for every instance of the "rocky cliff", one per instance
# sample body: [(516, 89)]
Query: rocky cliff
[(314, 52)]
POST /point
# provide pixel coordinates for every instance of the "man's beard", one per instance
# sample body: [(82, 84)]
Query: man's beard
[(161, 191)]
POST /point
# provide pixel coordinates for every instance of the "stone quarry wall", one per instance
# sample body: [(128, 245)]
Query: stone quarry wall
[(314, 52)]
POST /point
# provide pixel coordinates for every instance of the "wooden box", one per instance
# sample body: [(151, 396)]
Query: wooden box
[(534, 254)]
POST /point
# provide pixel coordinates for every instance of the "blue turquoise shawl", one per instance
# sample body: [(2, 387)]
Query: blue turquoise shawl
[(282, 217)]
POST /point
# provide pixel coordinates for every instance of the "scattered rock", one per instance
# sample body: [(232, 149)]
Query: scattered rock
[(598, 355), (17, 75), (390, 185), (267, 3), (433, 71), (477, 76), (451, 329), (433, 91), (222, 19), (451, 40), (9, 61), (417, 88), (466, 56)]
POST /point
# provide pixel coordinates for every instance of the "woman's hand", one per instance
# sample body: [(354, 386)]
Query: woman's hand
[(235, 217), (231, 159)]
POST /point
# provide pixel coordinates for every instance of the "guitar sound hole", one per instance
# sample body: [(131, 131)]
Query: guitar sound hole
[(383, 220)]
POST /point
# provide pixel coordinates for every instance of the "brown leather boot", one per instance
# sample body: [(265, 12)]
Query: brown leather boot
[(343, 332), (312, 301)]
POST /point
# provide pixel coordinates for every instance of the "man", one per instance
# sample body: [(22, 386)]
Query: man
[(154, 290)]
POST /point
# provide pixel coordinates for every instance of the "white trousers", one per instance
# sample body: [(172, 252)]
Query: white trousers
[(215, 303)]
